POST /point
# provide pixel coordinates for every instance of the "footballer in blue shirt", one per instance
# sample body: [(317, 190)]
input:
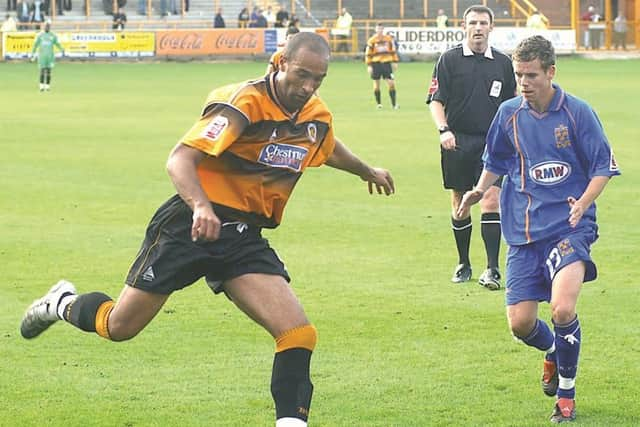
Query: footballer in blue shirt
[(556, 159)]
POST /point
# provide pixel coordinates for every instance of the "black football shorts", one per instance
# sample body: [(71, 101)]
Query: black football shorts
[(169, 260), (381, 70), (461, 168)]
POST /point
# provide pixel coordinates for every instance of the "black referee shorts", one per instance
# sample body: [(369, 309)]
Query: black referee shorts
[(462, 167), (169, 260), (381, 70)]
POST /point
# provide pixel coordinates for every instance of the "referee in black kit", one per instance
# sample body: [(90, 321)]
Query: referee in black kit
[(469, 82)]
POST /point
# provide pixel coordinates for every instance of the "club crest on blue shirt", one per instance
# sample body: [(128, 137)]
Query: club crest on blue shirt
[(562, 136), (550, 173)]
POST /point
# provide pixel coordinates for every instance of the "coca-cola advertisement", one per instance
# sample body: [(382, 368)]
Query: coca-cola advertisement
[(210, 42)]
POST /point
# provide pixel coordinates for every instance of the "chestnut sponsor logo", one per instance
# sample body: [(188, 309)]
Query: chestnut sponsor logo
[(181, 41), (236, 40)]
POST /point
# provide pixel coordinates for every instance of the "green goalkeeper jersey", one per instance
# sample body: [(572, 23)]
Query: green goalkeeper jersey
[(45, 41)]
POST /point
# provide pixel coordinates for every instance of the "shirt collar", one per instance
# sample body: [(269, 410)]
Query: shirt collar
[(556, 101), (466, 51)]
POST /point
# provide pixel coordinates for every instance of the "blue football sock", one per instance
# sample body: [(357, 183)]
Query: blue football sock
[(568, 349), (540, 337)]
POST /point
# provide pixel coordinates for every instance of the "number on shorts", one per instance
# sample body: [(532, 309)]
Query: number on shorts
[(553, 261)]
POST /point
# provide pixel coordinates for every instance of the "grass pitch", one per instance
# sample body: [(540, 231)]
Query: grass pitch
[(82, 171)]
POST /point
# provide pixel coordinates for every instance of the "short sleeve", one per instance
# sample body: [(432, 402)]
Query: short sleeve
[(593, 147), (438, 87), (499, 150), (216, 130), (325, 150)]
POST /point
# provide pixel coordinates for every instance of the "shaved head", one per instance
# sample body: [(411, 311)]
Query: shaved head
[(311, 42)]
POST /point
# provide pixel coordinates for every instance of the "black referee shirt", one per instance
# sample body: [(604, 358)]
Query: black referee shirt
[(471, 86)]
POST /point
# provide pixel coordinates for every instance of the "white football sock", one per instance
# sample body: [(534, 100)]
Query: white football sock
[(64, 302), (290, 422)]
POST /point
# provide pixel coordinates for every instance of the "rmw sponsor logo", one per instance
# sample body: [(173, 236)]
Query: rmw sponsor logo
[(283, 156), (550, 173)]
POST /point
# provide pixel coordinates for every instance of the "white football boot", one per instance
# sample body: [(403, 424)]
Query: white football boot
[(42, 313)]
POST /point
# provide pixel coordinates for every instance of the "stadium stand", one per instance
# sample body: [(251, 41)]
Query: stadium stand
[(319, 13)]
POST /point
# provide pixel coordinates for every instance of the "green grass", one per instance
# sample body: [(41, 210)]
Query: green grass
[(82, 171)]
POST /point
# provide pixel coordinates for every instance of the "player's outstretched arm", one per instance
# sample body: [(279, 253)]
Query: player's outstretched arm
[(342, 158), (474, 195)]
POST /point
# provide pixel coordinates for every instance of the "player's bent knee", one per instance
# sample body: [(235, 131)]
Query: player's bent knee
[(520, 327), (121, 331)]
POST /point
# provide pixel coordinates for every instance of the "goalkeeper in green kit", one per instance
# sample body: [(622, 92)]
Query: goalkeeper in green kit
[(45, 41)]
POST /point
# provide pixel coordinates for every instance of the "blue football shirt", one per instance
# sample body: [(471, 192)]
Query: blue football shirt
[(545, 157)]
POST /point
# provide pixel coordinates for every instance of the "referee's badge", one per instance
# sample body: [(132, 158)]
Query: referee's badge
[(434, 86), (496, 88)]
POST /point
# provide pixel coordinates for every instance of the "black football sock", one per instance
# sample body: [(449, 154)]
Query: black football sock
[(90, 312), (291, 386), (462, 234), (490, 230), (392, 95)]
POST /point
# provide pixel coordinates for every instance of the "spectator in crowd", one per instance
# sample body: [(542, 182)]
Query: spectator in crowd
[(11, 5), (67, 5), (282, 17), (620, 31), (588, 15), (253, 18), (44, 44), (381, 58), (274, 61), (535, 21), (142, 7), (119, 20), (37, 14), (442, 20), (260, 21), (342, 30), (594, 26), (218, 20), (293, 21), (270, 16), (24, 11), (9, 24), (243, 18)]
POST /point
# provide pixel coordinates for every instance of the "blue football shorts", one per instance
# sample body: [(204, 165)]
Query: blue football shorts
[(531, 268)]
